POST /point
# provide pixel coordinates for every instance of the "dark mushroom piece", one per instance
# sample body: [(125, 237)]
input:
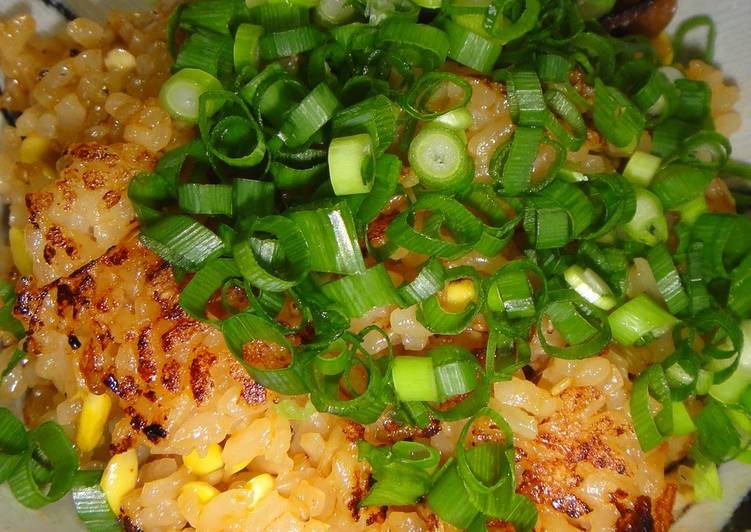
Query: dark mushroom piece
[(645, 17)]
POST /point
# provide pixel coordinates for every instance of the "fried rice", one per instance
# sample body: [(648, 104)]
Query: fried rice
[(103, 316)]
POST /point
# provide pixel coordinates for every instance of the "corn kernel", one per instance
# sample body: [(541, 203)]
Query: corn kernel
[(458, 295), (119, 59), (33, 148), (664, 47), (203, 465), (94, 414), (203, 490), (119, 478), (260, 486), (19, 251)]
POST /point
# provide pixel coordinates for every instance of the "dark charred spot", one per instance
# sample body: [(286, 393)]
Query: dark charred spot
[(73, 52), (73, 341), (111, 198), (201, 382), (146, 364), (136, 420), (130, 526), (154, 432), (171, 375), (179, 334), (150, 395), (636, 519), (93, 179), (354, 431), (65, 296), (48, 253), (116, 257), (377, 517), (110, 381), (127, 388)]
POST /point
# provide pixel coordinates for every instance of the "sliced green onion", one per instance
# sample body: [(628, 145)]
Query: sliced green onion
[(236, 139), (252, 198), (387, 170), (196, 198), (264, 352), (414, 379), (616, 117), (590, 286), (693, 100), (584, 327), (417, 101), (311, 114), (547, 228), (279, 17), (246, 51), (471, 49), (428, 281), (197, 293), (13, 443), (351, 164), (332, 238), (456, 371), (517, 170), (180, 94), (466, 288), (457, 119), (291, 240), (689, 25), (210, 53), (649, 224), (431, 43), (91, 503), (639, 320), (440, 159), (668, 281), (375, 116), (48, 440), (641, 168), (182, 241), (525, 98), (356, 294), (651, 430), (213, 15), (678, 184), (290, 42), (497, 25), (465, 228)]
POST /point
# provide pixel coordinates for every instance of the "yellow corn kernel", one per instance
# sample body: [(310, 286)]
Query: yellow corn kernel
[(664, 47), (19, 251), (33, 148), (203, 465), (94, 414), (203, 490), (458, 295), (260, 486), (119, 478)]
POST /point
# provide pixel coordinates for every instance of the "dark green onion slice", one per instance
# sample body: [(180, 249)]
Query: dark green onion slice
[(651, 429), (254, 335), (356, 294), (91, 503), (198, 198), (668, 281), (584, 327), (463, 225), (429, 280), (289, 237), (332, 238), (204, 284), (436, 318), (678, 184), (431, 43), (471, 49), (13, 443), (516, 177), (387, 170), (617, 118), (311, 114), (375, 116), (182, 241), (49, 440), (290, 42), (525, 98), (418, 99)]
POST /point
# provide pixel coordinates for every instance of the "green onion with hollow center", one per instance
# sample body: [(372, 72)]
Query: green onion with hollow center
[(290, 239), (516, 175), (351, 164), (617, 118), (639, 320), (525, 98), (440, 159), (311, 114), (180, 94), (204, 284), (358, 293), (584, 327), (13, 443), (429, 280), (463, 225), (452, 310), (471, 49), (649, 224), (651, 430)]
